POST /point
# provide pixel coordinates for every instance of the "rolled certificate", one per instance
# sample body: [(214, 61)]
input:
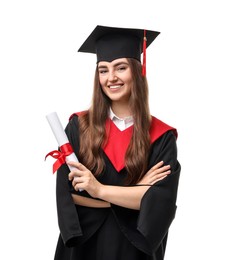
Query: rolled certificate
[(67, 153)]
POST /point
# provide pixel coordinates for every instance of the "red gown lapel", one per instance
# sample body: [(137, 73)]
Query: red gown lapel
[(118, 141), (117, 144)]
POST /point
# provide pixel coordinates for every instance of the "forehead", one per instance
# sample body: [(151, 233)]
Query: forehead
[(113, 63)]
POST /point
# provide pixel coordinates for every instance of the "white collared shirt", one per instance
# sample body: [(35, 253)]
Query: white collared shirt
[(121, 123)]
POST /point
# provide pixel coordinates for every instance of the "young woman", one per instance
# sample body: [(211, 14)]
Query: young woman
[(120, 199)]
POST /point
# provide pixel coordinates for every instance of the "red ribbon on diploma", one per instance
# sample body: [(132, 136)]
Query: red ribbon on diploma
[(65, 150)]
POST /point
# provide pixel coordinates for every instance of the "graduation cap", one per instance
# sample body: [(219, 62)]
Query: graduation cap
[(110, 43)]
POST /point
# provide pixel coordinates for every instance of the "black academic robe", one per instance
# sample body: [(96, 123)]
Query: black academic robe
[(117, 233)]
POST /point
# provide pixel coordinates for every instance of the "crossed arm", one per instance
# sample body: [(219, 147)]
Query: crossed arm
[(128, 197)]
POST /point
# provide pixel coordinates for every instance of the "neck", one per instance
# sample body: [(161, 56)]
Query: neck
[(121, 110)]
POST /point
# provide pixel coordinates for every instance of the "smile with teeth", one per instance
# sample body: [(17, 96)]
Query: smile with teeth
[(115, 86)]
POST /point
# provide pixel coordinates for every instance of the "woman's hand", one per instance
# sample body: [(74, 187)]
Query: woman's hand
[(82, 178), (156, 173)]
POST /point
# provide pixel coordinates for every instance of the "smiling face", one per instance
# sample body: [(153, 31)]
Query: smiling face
[(116, 80)]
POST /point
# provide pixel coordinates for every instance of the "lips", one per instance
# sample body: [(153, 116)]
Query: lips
[(115, 86)]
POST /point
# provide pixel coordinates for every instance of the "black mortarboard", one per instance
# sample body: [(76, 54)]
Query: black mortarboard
[(110, 43)]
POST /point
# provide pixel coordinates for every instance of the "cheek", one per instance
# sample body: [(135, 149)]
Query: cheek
[(130, 84), (102, 81), (128, 79), (103, 87)]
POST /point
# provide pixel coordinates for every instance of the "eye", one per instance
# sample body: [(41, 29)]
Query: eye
[(121, 68), (102, 71)]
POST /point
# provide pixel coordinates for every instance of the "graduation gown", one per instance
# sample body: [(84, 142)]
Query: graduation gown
[(117, 233)]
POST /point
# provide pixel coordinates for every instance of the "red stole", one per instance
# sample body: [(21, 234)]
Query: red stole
[(118, 141)]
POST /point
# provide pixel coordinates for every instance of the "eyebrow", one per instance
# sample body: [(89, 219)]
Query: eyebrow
[(115, 65)]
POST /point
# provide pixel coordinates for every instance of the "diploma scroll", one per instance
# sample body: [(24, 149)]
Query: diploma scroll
[(60, 136)]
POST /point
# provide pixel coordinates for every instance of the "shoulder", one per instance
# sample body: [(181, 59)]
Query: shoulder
[(159, 128), (78, 114), (163, 139), (73, 120)]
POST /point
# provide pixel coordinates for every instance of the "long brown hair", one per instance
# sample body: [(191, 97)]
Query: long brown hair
[(93, 133)]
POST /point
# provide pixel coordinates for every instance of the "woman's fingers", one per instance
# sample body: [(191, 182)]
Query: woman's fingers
[(158, 165), (74, 174), (82, 178), (76, 180), (156, 173), (78, 186), (158, 177), (78, 170), (154, 181), (159, 170), (156, 169)]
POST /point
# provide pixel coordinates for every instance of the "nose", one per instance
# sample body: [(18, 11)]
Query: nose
[(112, 77)]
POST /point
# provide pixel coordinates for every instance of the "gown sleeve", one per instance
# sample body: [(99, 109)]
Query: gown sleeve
[(148, 228), (76, 223), (68, 220), (158, 205)]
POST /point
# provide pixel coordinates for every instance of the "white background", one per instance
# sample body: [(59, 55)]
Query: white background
[(191, 73)]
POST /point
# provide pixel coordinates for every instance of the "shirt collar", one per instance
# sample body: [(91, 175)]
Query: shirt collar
[(121, 123), (114, 116)]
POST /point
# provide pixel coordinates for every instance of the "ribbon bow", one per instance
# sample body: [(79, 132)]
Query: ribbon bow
[(60, 155)]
